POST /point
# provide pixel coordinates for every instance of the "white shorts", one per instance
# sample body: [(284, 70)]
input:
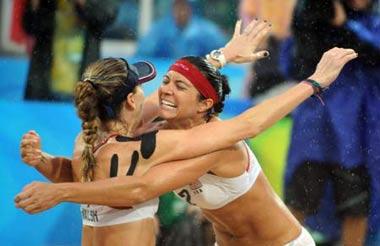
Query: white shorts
[(304, 239)]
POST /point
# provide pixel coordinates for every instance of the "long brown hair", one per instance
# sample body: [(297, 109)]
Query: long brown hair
[(95, 102)]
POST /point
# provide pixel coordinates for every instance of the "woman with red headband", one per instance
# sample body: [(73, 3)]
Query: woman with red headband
[(227, 184)]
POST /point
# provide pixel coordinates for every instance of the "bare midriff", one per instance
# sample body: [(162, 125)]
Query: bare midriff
[(258, 217), (140, 232)]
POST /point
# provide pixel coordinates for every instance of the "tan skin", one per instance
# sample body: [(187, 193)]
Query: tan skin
[(178, 140), (233, 225), (274, 224)]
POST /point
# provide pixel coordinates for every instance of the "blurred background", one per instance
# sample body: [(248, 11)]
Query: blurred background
[(45, 45)]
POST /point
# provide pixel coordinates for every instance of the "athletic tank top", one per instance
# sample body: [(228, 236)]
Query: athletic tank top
[(213, 192)]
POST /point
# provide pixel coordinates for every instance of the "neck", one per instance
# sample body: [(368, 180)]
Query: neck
[(118, 127), (185, 123)]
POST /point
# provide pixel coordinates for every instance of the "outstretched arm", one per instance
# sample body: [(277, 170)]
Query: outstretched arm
[(120, 191), (213, 136)]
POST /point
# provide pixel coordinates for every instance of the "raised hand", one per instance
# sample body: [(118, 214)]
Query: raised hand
[(243, 45), (330, 65), (30, 149), (37, 197)]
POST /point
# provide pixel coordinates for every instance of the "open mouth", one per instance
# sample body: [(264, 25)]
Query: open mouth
[(168, 104)]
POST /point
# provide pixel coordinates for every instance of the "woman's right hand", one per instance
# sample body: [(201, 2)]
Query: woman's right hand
[(330, 65), (243, 45), (30, 149)]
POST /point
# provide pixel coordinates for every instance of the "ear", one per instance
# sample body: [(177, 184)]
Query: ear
[(205, 105), (131, 102)]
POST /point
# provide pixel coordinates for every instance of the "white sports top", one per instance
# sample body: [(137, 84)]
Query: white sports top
[(213, 192), (98, 215)]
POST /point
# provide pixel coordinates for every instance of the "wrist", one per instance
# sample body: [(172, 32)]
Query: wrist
[(213, 62), (64, 191), (218, 56), (44, 160), (317, 88), (227, 54)]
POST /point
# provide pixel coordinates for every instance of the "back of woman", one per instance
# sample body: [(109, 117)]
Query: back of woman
[(103, 225)]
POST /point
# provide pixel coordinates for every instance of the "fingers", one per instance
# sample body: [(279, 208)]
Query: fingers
[(32, 208), (345, 52), (33, 132), (22, 203), (237, 28), (29, 205), (251, 26), (22, 198), (259, 55), (259, 25), (345, 55), (348, 57), (31, 159), (25, 142), (261, 34)]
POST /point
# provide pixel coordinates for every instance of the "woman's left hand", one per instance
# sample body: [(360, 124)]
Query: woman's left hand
[(242, 47)]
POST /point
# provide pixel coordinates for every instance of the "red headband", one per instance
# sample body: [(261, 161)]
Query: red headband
[(196, 78)]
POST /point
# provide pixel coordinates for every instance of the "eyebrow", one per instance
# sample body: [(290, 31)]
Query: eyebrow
[(178, 81), (183, 82)]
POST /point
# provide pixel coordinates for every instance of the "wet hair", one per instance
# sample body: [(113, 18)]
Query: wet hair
[(98, 99), (218, 81)]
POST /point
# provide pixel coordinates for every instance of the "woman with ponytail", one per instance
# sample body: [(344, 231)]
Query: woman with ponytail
[(223, 178)]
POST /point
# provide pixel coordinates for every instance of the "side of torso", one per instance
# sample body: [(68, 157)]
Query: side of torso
[(213, 191)]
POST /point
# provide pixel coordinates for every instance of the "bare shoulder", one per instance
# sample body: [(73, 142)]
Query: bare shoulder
[(231, 162)]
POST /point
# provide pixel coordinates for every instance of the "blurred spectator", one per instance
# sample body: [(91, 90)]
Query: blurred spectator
[(181, 33), (265, 76), (179, 223), (126, 21), (222, 12), (67, 38), (337, 143)]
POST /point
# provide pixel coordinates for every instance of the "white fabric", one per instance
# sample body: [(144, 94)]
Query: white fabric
[(97, 215), (304, 239), (213, 192)]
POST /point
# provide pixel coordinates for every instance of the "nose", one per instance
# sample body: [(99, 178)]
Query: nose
[(167, 89)]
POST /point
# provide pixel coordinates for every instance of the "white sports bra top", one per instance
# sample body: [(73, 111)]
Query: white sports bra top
[(98, 215), (213, 192)]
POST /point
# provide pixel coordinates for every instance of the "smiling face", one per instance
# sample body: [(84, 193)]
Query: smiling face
[(179, 99)]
